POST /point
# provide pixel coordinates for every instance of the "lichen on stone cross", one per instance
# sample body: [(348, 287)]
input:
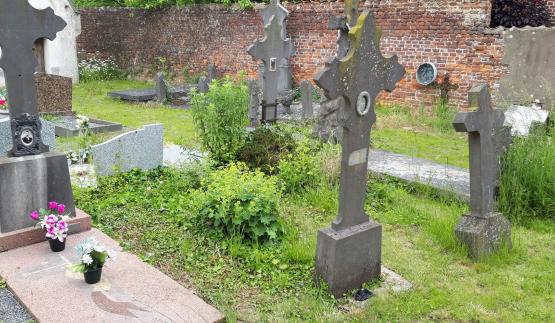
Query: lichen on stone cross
[(20, 26), (353, 82), (480, 126)]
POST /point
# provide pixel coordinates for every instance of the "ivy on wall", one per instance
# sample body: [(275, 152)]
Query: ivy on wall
[(520, 13), (150, 4)]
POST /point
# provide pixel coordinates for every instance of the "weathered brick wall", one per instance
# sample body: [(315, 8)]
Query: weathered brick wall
[(551, 6), (451, 33)]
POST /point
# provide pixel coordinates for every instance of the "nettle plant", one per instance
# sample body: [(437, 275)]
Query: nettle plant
[(520, 13)]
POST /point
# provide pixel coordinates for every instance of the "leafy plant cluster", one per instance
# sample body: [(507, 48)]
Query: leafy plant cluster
[(527, 182), (96, 69), (240, 202), (520, 13), (150, 4)]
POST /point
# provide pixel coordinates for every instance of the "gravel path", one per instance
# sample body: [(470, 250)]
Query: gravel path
[(11, 311)]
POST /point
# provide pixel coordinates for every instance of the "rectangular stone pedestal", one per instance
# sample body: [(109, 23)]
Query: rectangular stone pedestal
[(29, 183), (348, 258), (484, 235)]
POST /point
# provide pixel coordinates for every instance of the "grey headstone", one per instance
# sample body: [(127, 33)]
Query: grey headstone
[(29, 183), (20, 26), (274, 50), (276, 9), (306, 96), (202, 86), (483, 231), (285, 98), (254, 103), (142, 149), (161, 88), (353, 83), (212, 73)]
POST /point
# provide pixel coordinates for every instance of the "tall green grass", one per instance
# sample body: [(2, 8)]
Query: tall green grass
[(527, 182)]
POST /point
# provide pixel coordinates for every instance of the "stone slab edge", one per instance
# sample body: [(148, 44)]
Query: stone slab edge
[(25, 237)]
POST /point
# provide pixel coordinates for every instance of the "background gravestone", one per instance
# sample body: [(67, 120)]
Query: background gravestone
[(306, 98), (482, 231), (54, 94), (161, 88), (275, 51), (254, 103), (349, 252)]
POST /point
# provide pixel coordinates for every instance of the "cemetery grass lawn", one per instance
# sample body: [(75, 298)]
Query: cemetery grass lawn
[(150, 214), (396, 129), (91, 99)]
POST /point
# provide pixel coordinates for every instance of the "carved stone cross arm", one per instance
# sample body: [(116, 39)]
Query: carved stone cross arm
[(269, 47)]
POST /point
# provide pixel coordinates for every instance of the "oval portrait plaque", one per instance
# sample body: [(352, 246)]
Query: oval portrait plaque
[(426, 73)]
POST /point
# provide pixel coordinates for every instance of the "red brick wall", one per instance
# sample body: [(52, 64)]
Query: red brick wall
[(451, 33), (551, 6)]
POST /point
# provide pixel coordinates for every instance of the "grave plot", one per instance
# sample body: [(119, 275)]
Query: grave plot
[(69, 126)]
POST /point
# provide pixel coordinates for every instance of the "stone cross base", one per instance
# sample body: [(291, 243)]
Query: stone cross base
[(348, 258), (484, 235), (29, 183)]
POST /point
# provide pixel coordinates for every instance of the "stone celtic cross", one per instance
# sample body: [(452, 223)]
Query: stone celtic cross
[(355, 81), (274, 50), (349, 252), (481, 125), (275, 9), (20, 26)]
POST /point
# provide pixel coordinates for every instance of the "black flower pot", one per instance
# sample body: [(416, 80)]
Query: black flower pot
[(56, 245), (92, 276)]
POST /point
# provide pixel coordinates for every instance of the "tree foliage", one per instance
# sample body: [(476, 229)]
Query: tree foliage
[(151, 4), (520, 13)]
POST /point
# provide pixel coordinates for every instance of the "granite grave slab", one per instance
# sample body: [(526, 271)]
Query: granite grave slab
[(142, 149), (67, 126), (130, 290)]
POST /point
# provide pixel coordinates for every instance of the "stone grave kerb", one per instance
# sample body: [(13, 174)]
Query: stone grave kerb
[(483, 231), (274, 50), (20, 26), (349, 252)]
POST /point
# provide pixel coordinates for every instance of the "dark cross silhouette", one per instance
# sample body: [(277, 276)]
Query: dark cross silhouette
[(344, 24), (20, 26), (274, 51), (354, 82), (481, 125)]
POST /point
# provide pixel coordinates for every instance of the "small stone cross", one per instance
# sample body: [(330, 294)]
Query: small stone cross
[(20, 26), (481, 125), (354, 82), (274, 51)]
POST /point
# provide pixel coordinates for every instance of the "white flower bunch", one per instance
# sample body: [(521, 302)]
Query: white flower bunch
[(93, 254)]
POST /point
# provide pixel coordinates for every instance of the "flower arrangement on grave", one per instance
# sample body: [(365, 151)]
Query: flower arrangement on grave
[(82, 122), (93, 256), (3, 100), (54, 222), (81, 156)]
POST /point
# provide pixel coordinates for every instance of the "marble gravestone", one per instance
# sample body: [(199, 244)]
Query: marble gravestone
[(349, 252), (31, 176), (483, 231), (275, 51)]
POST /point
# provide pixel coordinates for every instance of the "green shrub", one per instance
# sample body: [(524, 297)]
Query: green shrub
[(527, 182), (299, 170), (220, 118), (264, 148), (95, 69), (239, 202)]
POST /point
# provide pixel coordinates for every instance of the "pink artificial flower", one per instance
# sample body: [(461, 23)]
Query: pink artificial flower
[(51, 219), (61, 208), (52, 205), (62, 226), (2, 100), (34, 215)]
